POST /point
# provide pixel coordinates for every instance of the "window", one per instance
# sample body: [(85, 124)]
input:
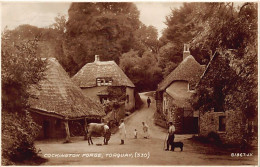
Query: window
[(164, 104), (222, 123), (191, 88), (105, 81)]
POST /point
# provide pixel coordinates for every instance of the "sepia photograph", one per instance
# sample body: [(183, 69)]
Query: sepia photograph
[(170, 83)]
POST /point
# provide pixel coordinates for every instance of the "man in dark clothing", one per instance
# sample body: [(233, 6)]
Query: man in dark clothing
[(148, 101), (170, 136)]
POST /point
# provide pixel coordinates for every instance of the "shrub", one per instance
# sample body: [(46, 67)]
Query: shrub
[(18, 133)]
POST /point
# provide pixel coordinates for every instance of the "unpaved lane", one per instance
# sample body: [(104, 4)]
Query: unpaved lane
[(192, 154)]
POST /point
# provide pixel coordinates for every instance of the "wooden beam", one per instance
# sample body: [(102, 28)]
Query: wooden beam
[(46, 113), (42, 112), (85, 128), (66, 125)]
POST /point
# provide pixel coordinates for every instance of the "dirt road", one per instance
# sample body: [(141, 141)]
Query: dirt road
[(137, 151)]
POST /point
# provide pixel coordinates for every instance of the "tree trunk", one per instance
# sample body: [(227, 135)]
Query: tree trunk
[(66, 124)]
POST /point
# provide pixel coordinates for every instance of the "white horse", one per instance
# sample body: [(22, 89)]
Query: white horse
[(99, 129)]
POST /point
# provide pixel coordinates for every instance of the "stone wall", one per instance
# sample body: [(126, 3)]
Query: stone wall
[(159, 101), (174, 114), (169, 113), (159, 118), (233, 134), (178, 120)]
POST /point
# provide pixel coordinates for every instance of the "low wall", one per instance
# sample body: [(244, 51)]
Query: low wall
[(234, 127)]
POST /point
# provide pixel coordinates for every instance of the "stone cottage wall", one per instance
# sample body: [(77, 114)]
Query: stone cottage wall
[(177, 119), (159, 118), (233, 134), (159, 101), (174, 114)]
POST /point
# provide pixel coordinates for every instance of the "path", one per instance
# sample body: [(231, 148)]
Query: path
[(193, 154)]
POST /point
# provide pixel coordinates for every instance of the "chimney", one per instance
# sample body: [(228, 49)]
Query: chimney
[(186, 51), (96, 58)]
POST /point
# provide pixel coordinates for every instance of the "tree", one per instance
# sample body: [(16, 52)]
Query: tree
[(169, 57), (105, 29), (224, 26), (143, 71), (21, 69), (235, 84), (181, 29), (60, 23), (180, 26), (146, 38)]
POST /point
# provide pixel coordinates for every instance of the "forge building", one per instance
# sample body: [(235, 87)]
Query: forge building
[(59, 106)]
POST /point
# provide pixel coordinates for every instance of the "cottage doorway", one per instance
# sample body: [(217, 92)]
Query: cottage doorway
[(46, 129), (196, 124), (190, 123)]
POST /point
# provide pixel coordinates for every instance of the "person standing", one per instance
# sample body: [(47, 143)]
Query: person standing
[(122, 131), (170, 140), (106, 127), (148, 101), (135, 134), (107, 133), (145, 129)]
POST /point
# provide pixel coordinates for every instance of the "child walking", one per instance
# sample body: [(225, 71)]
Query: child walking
[(135, 133)]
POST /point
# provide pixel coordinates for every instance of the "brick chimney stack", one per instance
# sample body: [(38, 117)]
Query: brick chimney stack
[(97, 58), (186, 51)]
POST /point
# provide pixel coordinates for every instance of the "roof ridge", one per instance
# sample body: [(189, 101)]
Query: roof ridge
[(87, 75), (179, 71)]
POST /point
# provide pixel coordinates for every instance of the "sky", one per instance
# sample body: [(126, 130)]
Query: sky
[(43, 14)]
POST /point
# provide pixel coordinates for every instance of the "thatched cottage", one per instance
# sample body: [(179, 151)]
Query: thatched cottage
[(174, 93), (104, 81), (59, 106), (230, 126)]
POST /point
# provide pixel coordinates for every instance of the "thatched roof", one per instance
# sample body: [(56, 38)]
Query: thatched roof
[(213, 58), (86, 77), (179, 98), (58, 95), (188, 70)]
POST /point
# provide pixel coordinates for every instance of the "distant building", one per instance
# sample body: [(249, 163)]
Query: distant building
[(230, 126), (59, 106), (104, 81), (174, 92)]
